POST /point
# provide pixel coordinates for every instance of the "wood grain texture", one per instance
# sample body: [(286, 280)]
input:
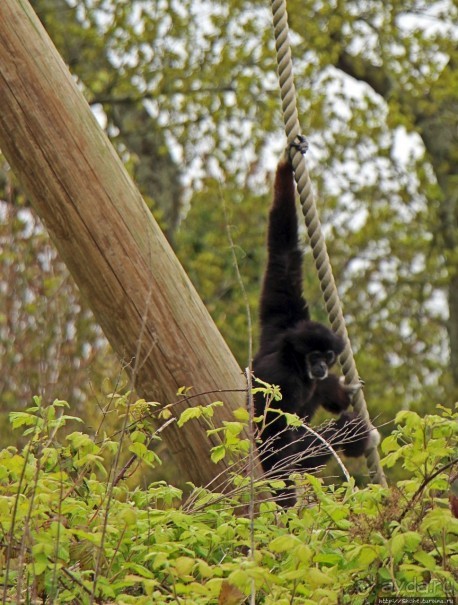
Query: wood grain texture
[(106, 235)]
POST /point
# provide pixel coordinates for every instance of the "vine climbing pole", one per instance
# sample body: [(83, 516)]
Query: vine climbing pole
[(312, 221)]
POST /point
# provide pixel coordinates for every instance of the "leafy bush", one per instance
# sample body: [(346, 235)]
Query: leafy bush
[(72, 531)]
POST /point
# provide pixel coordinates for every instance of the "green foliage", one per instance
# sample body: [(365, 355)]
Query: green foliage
[(48, 338), (204, 248), (70, 534)]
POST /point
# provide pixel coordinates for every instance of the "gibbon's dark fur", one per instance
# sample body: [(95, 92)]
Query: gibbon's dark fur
[(295, 352)]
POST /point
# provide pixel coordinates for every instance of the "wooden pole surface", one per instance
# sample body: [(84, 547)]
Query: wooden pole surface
[(104, 232)]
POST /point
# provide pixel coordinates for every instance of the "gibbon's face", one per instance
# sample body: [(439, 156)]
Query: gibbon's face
[(318, 364)]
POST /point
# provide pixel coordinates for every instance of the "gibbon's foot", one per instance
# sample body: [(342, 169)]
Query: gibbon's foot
[(300, 143), (374, 439), (357, 436)]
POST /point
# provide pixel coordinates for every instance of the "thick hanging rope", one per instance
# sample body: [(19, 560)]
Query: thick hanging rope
[(312, 221)]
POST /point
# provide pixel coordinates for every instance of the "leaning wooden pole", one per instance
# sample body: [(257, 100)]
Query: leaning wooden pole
[(104, 232)]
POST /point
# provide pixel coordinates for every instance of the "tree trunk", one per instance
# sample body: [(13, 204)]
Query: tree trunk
[(436, 118), (437, 124), (110, 242)]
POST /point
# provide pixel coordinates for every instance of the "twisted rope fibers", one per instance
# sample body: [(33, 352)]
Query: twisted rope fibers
[(313, 225)]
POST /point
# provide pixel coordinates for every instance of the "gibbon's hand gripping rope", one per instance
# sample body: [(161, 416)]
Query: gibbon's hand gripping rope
[(312, 221)]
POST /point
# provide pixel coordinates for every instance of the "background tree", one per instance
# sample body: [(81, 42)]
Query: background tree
[(193, 84), (406, 106)]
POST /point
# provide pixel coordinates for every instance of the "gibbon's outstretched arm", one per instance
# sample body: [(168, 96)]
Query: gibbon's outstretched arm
[(282, 303)]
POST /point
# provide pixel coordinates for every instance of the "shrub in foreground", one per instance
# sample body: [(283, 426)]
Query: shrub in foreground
[(72, 531)]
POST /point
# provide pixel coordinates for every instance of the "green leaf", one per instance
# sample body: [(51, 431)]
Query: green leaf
[(141, 570), (242, 415), (426, 559), (189, 414), (411, 540), (40, 563), (439, 519), (184, 565), (367, 555), (315, 578), (390, 444), (19, 419), (397, 544), (217, 453), (284, 543), (165, 413), (292, 420), (303, 553)]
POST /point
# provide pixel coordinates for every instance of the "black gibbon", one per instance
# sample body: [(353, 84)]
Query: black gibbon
[(296, 353)]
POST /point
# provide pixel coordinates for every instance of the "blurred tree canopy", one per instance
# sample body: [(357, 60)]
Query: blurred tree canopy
[(187, 91)]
